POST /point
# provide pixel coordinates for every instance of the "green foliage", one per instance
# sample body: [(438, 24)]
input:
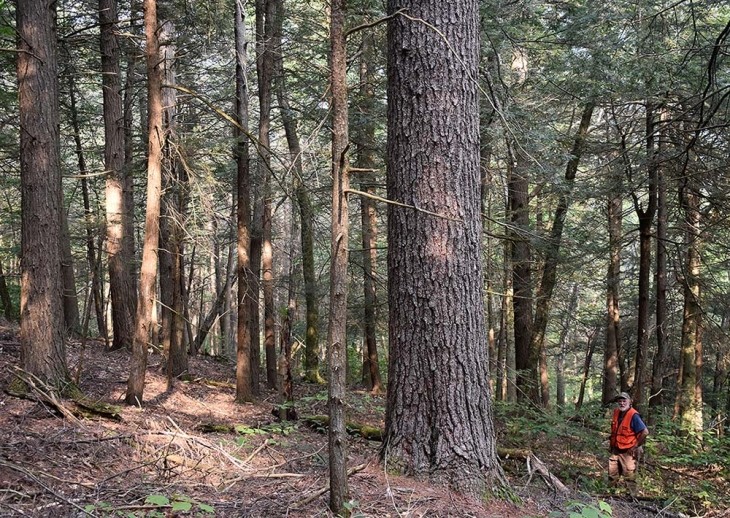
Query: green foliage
[(175, 504), (583, 510)]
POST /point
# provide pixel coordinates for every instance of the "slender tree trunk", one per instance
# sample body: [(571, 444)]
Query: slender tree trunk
[(612, 358), (563, 344), (439, 413), (70, 299), (42, 348), (522, 278), (91, 226), (265, 15), (306, 217), (544, 294), (119, 228), (148, 274), (337, 330), (175, 199), (247, 284), (365, 148), (5, 296), (586, 368), (646, 220), (658, 366)]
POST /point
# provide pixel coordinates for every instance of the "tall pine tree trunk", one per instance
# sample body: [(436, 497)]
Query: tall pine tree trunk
[(119, 237), (337, 329), (42, 348), (247, 284), (148, 273), (439, 413)]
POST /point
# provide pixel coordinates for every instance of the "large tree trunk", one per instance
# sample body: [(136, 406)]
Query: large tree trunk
[(119, 237), (552, 255), (247, 284), (365, 148), (42, 349), (148, 273), (337, 330), (439, 412)]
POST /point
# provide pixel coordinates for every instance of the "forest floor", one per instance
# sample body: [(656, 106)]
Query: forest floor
[(158, 461)]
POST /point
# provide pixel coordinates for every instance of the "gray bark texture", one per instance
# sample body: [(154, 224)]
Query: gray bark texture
[(439, 413)]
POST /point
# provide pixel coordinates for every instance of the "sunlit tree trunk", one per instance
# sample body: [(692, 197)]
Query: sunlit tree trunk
[(148, 273), (689, 396), (439, 411), (42, 348), (117, 155), (337, 329)]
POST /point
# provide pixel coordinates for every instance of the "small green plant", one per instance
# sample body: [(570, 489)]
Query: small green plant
[(583, 510)]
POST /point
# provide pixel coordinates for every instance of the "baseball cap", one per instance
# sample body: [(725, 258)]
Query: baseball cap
[(624, 395)]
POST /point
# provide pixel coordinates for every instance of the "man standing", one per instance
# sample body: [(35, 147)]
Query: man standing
[(628, 433)]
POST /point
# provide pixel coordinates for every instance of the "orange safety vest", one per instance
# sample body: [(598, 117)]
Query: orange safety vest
[(622, 436)]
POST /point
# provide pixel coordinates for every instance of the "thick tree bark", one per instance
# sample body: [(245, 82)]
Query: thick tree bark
[(337, 329), (439, 413), (42, 348), (148, 273), (247, 284), (119, 236)]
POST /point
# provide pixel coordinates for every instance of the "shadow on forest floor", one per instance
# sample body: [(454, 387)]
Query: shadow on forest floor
[(157, 461)]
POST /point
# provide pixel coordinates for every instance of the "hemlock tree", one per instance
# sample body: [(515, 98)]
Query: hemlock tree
[(42, 349), (148, 272), (439, 413), (121, 283)]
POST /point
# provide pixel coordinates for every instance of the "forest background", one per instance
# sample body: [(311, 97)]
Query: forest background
[(604, 196)]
